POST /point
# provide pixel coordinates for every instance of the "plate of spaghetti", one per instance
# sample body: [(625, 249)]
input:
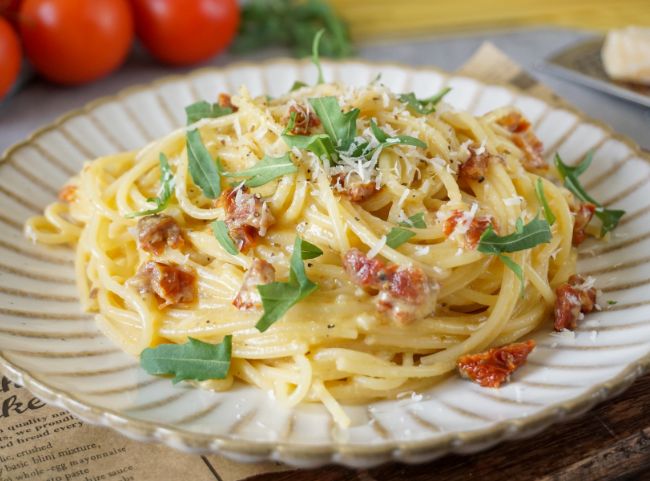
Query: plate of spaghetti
[(346, 262)]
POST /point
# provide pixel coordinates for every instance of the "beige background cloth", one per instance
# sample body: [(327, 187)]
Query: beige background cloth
[(39, 442)]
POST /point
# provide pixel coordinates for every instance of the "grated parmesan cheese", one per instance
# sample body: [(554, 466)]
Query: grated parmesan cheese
[(379, 245), (236, 125), (516, 200), (481, 149)]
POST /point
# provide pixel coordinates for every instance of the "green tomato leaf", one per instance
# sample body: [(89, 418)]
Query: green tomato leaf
[(202, 167), (195, 360), (165, 192), (220, 231), (204, 110), (266, 170)]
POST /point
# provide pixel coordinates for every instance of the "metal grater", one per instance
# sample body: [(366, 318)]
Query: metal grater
[(582, 63)]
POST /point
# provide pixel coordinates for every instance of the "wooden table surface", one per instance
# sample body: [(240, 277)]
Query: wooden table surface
[(610, 442)]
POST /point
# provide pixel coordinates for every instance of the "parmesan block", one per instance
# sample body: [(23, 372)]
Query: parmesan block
[(626, 54)]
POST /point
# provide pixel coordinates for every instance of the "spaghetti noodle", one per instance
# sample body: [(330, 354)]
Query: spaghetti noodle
[(397, 212)]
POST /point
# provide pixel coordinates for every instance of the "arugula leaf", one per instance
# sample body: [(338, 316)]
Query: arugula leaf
[(536, 232), (386, 140), (319, 144), (204, 110), (340, 127), (298, 84), (309, 251), (202, 168), (548, 213), (416, 220), (315, 59), (165, 192), (608, 217), (424, 106), (194, 360), (266, 170), (220, 231), (514, 267), (279, 297), (398, 236)]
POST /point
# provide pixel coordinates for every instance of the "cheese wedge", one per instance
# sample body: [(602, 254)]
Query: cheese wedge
[(626, 54)]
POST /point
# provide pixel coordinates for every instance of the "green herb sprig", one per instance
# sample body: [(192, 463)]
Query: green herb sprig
[(194, 360), (279, 297), (293, 24), (165, 192), (608, 217)]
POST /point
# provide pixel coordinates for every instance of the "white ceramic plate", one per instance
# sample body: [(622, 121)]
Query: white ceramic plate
[(51, 347)]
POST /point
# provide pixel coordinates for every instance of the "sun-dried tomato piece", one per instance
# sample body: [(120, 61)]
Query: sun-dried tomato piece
[(304, 119), (355, 190), (248, 297), (171, 283), (584, 211), (533, 150), (364, 271), (474, 168), (515, 122), (476, 228), (247, 216), (225, 101), (472, 230), (408, 294), (405, 293), (494, 367), (573, 299), (157, 231), (68, 193), (524, 138)]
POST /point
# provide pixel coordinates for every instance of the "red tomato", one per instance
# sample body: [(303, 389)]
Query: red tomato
[(9, 10), (183, 32), (75, 41), (10, 53)]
